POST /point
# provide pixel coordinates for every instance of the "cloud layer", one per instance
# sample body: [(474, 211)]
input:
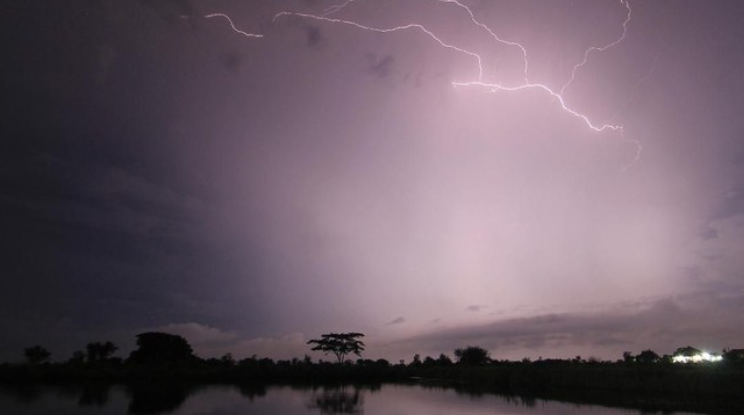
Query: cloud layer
[(159, 170)]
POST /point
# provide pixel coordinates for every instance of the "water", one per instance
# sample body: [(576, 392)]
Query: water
[(385, 399)]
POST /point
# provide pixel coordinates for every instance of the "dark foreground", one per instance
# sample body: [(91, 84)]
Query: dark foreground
[(709, 389), (297, 399)]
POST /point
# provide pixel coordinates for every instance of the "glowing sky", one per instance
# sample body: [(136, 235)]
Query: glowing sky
[(251, 174)]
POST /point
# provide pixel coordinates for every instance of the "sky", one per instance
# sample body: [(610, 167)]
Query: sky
[(538, 178)]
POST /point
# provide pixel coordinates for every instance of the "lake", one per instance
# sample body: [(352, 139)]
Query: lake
[(385, 399)]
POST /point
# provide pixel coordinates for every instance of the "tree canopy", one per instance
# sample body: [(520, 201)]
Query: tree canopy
[(472, 356), (339, 344), (687, 351), (98, 352), (648, 356), (156, 347), (36, 354)]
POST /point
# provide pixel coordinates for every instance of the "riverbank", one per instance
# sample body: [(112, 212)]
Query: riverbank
[(707, 380), (542, 376)]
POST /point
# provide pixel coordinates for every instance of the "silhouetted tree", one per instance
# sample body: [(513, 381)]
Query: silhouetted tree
[(156, 347), (78, 357), (647, 356), (687, 351), (382, 362), (416, 360), (98, 352), (36, 354), (339, 344), (227, 359), (472, 356), (733, 355), (628, 357), (444, 360)]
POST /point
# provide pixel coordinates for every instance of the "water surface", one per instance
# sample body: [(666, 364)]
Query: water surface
[(388, 399)]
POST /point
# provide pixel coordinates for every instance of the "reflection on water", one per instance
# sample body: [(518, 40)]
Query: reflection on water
[(23, 393), (93, 395), (157, 398), (252, 391), (176, 398), (338, 400)]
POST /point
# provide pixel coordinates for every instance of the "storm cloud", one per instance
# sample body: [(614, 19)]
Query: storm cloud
[(161, 171)]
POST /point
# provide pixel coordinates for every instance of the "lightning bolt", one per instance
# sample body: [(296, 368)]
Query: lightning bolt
[(411, 26), (491, 33), (525, 84), (337, 7), (232, 25), (558, 97), (634, 89), (601, 48)]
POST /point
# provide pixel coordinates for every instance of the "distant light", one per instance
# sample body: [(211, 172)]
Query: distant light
[(698, 358)]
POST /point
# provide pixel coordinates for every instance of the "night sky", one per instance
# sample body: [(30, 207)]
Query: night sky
[(161, 169)]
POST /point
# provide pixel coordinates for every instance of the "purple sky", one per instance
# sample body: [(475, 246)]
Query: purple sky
[(160, 170)]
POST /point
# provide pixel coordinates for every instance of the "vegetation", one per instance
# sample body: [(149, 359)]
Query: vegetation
[(156, 348), (170, 358), (339, 344), (472, 356), (36, 354), (733, 356), (648, 356), (100, 352)]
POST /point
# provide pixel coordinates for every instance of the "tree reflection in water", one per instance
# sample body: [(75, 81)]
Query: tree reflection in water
[(252, 390), (338, 400), (25, 393), (157, 398), (96, 395)]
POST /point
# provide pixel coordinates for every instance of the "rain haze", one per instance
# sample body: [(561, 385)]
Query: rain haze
[(539, 178)]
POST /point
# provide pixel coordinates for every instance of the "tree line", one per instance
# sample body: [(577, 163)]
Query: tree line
[(170, 358), (158, 348)]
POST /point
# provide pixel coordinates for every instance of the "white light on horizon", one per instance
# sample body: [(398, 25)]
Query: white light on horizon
[(698, 358)]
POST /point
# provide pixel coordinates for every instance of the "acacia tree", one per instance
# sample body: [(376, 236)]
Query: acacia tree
[(339, 344)]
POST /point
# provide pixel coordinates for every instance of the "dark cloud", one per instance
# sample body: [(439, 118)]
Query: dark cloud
[(142, 186), (732, 205), (662, 325), (99, 196), (718, 253), (398, 320), (314, 36), (380, 66), (170, 10), (232, 61)]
